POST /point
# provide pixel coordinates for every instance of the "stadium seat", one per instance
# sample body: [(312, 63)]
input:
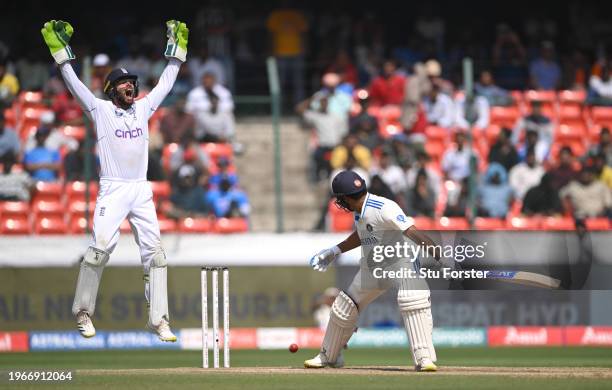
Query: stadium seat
[(569, 97), (48, 208), (49, 191), (338, 219), (601, 114), (195, 225), (435, 133), (231, 225), (77, 132), (14, 225), (571, 114), (389, 129), (597, 224), (594, 132), (166, 225), (422, 223), (374, 111), (76, 191), (546, 97), (14, 209), (435, 150), (166, 153), (29, 99), (76, 224), (215, 150), (489, 223), (10, 118), (524, 223), (50, 225), (558, 223), (161, 190), (504, 116), (566, 133), (491, 133), (452, 223), (390, 113)]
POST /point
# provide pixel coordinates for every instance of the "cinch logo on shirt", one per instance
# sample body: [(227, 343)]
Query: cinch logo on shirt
[(137, 132)]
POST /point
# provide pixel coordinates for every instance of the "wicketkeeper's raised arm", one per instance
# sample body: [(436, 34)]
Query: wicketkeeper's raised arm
[(57, 34), (176, 53)]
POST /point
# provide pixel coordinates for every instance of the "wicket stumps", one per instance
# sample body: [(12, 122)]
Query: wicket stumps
[(215, 319)]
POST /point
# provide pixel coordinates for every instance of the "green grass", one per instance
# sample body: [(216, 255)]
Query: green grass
[(447, 357)]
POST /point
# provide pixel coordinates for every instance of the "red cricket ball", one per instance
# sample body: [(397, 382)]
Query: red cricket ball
[(293, 348)]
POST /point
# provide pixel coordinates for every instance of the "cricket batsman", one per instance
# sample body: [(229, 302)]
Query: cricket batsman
[(375, 216), (121, 125)]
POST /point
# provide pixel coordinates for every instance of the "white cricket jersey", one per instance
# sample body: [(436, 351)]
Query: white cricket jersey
[(378, 216), (122, 135)]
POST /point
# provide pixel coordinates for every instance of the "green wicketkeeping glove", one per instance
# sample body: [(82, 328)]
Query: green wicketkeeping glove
[(57, 33), (177, 34)]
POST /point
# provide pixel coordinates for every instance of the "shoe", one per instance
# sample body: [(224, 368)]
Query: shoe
[(426, 365), (320, 361), (163, 331), (85, 325)]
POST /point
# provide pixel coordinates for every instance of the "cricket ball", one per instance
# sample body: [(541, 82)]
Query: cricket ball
[(293, 348)]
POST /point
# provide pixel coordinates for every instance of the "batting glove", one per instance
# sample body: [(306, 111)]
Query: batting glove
[(177, 34), (57, 34), (323, 259)]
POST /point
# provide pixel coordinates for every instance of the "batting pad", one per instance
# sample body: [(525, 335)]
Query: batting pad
[(415, 308), (340, 328), (87, 288), (158, 290)]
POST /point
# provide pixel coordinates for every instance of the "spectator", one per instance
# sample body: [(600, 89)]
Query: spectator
[(494, 193), (388, 88), (15, 186), (56, 139), (533, 141), (600, 92), (538, 122), (456, 159), (525, 175), (101, 66), (74, 164), (224, 174), (421, 198), (188, 198), (457, 200), (542, 199), (176, 123), (433, 69), (503, 150), (604, 146), (391, 174), (201, 63), (228, 202), (564, 172), (495, 95), (439, 108), (587, 197), (31, 71), (288, 28), (322, 307), (339, 101), (509, 59), (378, 187), (217, 125), (189, 152), (41, 162), (9, 86), (481, 113), (434, 182), (544, 71), (343, 66), (417, 87), (329, 129), (67, 110), (9, 145), (364, 125), (602, 171), (200, 102), (350, 147)]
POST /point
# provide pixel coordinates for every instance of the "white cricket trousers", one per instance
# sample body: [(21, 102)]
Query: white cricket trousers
[(118, 200)]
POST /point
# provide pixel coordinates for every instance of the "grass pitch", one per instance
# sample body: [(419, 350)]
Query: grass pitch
[(470, 368)]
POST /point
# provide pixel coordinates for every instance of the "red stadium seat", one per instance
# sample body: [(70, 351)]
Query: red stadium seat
[(49, 191), (504, 116), (570, 114), (166, 153), (161, 190), (435, 149), (568, 97), (77, 132), (390, 113), (14, 209), (215, 151), (558, 223), (338, 219), (566, 133), (166, 225), (524, 223), (231, 225), (48, 208), (452, 223), (76, 191), (489, 224), (422, 223), (601, 114), (374, 111), (435, 133), (492, 133), (10, 118), (195, 225), (540, 95), (77, 224), (14, 225), (50, 225), (597, 224), (388, 130), (28, 99)]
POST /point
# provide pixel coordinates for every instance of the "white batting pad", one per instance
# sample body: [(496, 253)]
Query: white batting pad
[(342, 320), (158, 290)]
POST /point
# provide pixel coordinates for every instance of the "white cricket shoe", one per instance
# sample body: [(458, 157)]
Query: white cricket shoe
[(426, 365), (85, 325), (320, 361), (163, 331)]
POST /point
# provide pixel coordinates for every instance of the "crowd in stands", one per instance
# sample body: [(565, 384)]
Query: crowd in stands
[(45, 154)]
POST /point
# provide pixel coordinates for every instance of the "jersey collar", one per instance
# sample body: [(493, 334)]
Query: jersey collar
[(363, 207)]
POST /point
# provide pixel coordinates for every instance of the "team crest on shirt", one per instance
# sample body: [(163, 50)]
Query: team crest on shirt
[(401, 218), (369, 227)]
